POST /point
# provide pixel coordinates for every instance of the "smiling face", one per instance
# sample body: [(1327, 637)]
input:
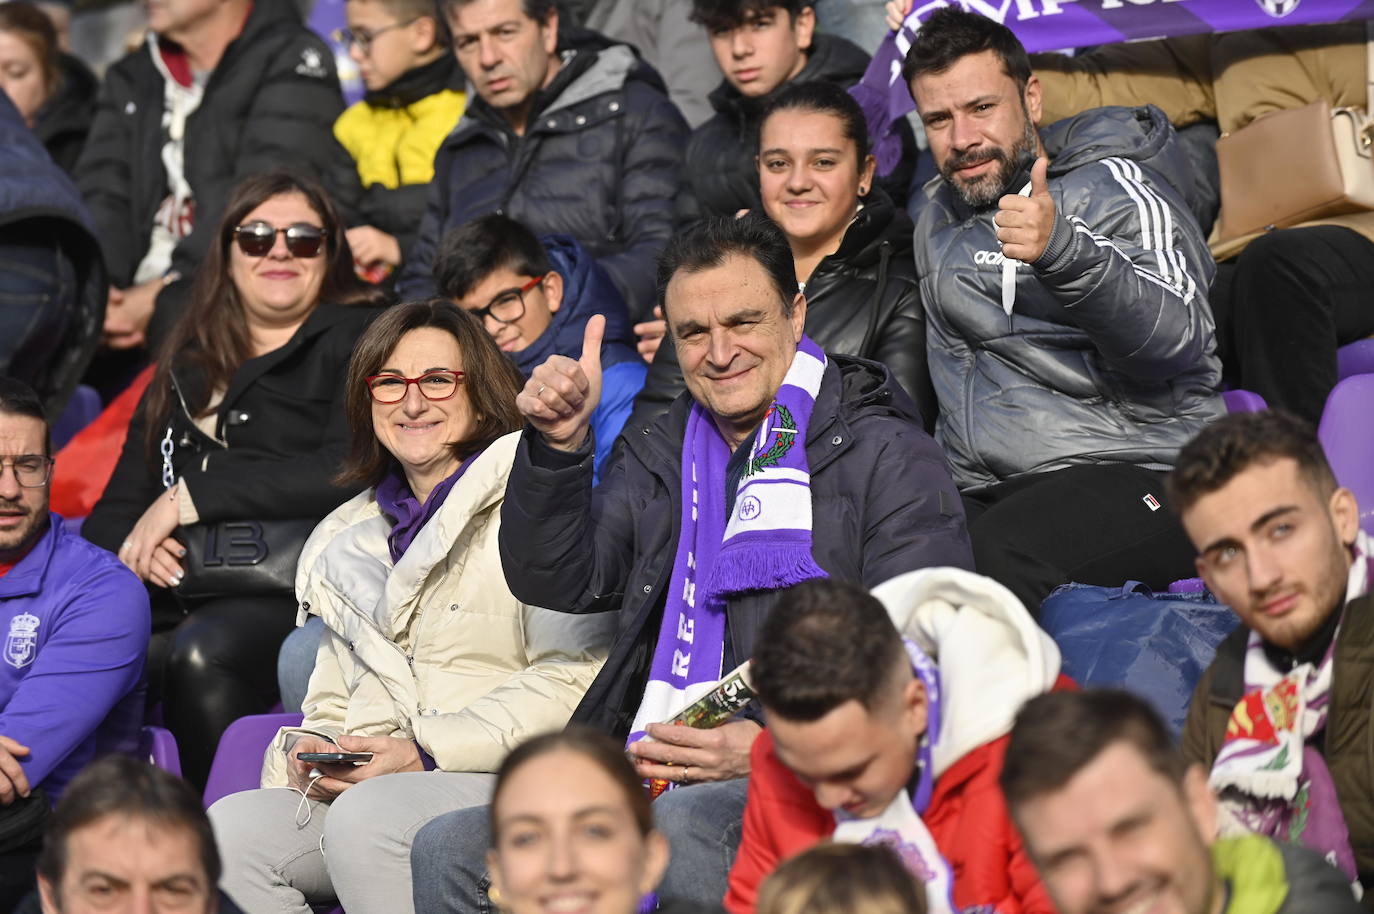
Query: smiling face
[(117, 865), (498, 291), (23, 509), (980, 127), (417, 431), (733, 340), (396, 45), (279, 289), (568, 843), (1275, 548), (765, 51), (21, 75), (810, 176), (506, 55), (1120, 838), (856, 759)]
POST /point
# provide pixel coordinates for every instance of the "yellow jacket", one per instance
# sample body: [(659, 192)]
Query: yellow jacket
[(396, 146)]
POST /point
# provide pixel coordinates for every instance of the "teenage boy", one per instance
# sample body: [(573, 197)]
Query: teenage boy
[(534, 298), (1282, 718), (414, 98), (873, 740), (761, 46)]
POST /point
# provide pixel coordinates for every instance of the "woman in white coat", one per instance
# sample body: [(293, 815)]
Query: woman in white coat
[(428, 664)]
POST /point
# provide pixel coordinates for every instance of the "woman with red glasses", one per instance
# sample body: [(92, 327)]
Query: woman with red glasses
[(230, 457), (429, 668)]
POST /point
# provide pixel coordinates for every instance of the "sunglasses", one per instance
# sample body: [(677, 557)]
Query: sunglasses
[(256, 239)]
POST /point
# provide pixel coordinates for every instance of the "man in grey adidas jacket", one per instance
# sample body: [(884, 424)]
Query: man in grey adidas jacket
[(1069, 337)]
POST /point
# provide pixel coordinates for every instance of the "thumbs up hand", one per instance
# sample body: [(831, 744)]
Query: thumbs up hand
[(561, 394), (1024, 224)]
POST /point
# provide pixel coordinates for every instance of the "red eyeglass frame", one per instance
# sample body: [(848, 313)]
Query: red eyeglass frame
[(457, 379)]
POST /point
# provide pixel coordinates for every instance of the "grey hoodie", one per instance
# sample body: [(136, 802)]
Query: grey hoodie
[(1108, 354)]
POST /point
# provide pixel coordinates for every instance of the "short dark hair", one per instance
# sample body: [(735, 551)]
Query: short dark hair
[(1236, 442), (490, 379), (1058, 734), (19, 399), (825, 643), (474, 250), (707, 243), (538, 10), (604, 752), (853, 878), (126, 788), (723, 15), (950, 34), (821, 97)]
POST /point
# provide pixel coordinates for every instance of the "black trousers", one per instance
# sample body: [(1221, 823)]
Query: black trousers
[(213, 667), (1284, 306), (1100, 524)]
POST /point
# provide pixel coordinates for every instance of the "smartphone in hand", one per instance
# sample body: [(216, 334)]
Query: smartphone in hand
[(357, 758)]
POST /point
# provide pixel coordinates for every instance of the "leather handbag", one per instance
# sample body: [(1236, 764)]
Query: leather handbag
[(239, 558), (1294, 166)]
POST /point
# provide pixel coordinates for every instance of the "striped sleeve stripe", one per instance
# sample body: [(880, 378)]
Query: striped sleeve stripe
[(1186, 294)]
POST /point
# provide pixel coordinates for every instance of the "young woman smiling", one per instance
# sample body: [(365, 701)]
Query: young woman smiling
[(851, 245)]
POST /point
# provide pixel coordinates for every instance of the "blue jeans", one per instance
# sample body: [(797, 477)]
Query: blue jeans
[(702, 823), (296, 661)]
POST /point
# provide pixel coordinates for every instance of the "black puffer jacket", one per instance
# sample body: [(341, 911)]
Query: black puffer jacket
[(46, 341), (879, 482), (862, 300), (721, 176), (601, 160), (65, 119), (271, 101), (281, 434)]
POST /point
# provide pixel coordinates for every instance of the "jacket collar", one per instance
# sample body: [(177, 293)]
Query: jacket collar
[(417, 83), (320, 320), (25, 579)]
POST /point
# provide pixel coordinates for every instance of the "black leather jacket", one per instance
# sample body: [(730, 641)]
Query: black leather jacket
[(862, 300)]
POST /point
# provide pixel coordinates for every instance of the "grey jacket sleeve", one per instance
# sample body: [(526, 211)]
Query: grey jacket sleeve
[(1130, 264), (1314, 886)]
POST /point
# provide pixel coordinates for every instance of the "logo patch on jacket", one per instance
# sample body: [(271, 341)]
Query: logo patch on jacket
[(1278, 8), (22, 642), (312, 64)]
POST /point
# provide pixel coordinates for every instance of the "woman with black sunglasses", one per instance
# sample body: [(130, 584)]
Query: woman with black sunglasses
[(229, 458)]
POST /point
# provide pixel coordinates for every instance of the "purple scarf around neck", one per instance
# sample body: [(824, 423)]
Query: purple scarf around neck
[(409, 517)]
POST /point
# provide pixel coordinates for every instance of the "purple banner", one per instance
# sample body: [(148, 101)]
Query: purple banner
[(1047, 25)]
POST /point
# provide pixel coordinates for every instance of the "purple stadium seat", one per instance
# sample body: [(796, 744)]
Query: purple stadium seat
[(1243, 401), (1355, 358), (1347, 435), (81, 411), (159, 746), (238, 758)]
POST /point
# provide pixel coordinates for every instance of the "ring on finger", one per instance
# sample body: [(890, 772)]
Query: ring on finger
[(540, 391)]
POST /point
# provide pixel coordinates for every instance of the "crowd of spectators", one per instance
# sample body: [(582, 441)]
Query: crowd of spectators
[(636, 494)]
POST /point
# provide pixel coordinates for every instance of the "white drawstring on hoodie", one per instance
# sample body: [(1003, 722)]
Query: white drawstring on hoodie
[(1009, 268)]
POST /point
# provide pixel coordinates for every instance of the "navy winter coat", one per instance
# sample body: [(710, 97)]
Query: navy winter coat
[(600, 160), (881, 494)]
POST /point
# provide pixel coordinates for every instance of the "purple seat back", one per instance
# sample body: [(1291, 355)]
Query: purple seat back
[(1347, 435), (159, 746), (1355, 358), (1243, 401), (238, 758)]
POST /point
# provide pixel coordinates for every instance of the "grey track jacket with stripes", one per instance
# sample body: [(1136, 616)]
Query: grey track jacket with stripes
[(1109, 352)]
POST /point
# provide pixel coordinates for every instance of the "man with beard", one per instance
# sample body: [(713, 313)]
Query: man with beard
[(75, 638), (1069, 339), (1282, 718)]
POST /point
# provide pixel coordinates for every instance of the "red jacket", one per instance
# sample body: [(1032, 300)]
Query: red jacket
[(967, 818)]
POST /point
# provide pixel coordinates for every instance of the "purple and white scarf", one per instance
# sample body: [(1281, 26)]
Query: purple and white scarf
[(764, 545), (1269, 780), (899, 826)]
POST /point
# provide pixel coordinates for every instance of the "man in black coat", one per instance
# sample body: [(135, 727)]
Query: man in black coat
[(761, 46), (568, 134), (877, 487), (222, 89)]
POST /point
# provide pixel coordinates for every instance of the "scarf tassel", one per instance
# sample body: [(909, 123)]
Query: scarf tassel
[(775, 562)]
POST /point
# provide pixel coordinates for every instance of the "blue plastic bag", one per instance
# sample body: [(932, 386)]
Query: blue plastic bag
[(1155, 645)]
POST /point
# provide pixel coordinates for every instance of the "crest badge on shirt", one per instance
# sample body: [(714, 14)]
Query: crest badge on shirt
[(1278, 8), (22, 642)]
